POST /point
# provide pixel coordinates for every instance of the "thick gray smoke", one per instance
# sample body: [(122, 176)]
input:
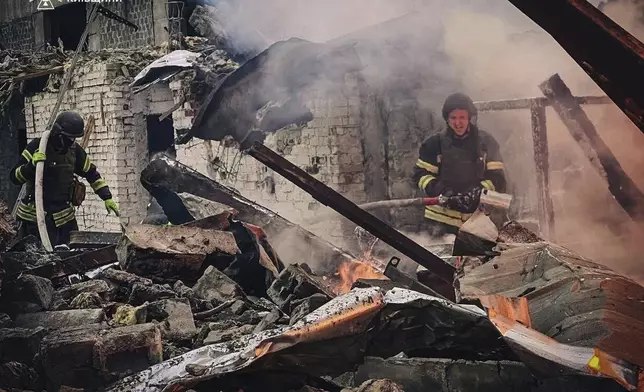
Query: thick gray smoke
[(417, 52)]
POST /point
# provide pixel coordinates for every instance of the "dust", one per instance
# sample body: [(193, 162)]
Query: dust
[(422, 51)]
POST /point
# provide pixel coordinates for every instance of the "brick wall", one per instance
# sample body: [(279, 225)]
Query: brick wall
[(114, 34), (329, 148), (118, 145), (18, 34)]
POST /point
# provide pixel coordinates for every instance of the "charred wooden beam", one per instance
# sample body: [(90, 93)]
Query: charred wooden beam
[(583, 131), (611, 56), (540, 143), (528, 103), (76, 264), (92, 239), (351, 211)]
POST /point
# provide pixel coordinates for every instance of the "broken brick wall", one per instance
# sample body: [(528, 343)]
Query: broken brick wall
[(329, 148), (12, 125), (109, 33), (18, 34), (118, 145)]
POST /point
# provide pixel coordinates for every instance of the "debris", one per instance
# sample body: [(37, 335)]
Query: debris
[(29, 293), (214, 285), (208, 313), (197, 304), (8, 226), (555, 292), (172, 176), (377, 386), (130, 315), (20, 344), (142, 293), (92, 239), (227, 112), (344, 321), (164, 68), (20, 376), (294, 283), (60, 319), (621, 186), (176, 319), (5, 321), (166, 254), (89, 358), (86, 301), (476, 237), (351, 211), (268, 321), (219, 336), (97, 286), (302, 307), (449, 375)]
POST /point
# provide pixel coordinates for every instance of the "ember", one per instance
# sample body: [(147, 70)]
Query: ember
[(349, 272)]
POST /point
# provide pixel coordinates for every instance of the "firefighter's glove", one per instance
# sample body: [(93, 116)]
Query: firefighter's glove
[(111, 206), (466, 202), (38, 157)]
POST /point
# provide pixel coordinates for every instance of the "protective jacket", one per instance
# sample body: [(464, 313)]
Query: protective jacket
[(58, 181), (448, 165)]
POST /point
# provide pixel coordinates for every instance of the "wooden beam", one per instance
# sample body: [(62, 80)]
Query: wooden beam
[(611, 56), (583, 131), (172, 109), (541, 154), (38, 74), (528, 103), (351, 211)]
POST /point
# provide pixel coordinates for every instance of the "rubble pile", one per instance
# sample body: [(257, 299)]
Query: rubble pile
[(209, 305)]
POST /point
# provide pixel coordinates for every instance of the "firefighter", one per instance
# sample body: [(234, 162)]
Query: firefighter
[(62, 192), (460, 161)]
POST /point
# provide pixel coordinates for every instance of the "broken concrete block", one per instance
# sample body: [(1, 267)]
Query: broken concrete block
[(305, 306), (176, 318), (268, 322), (20, 376), (97, 286), (146, 293), (238, 307), (214, 285), (123, 278), (60, 319), (295, 283), (227, 334), (169, 253), (90, 357), (20, 344), (197, 304), (86, 301), (29, 293)]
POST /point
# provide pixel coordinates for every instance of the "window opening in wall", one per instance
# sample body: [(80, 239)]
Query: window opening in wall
[(67, 23), (160, 135)]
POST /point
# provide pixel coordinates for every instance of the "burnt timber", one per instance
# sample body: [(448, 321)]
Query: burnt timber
[(611, 56), (583, 131), (351, 211)]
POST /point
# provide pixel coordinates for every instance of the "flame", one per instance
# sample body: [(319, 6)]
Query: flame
[(349, 272)]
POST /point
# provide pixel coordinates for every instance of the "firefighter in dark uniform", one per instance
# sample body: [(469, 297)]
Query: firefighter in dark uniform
[(459, 160), (62, 192)]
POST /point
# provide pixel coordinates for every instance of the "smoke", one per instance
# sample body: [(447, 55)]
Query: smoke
[(421, 51)]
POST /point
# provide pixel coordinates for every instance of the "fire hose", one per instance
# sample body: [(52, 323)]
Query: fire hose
[(40, 166), (487, 198)]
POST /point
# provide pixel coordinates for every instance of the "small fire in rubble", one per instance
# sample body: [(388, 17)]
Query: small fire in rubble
[(350, 271)]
